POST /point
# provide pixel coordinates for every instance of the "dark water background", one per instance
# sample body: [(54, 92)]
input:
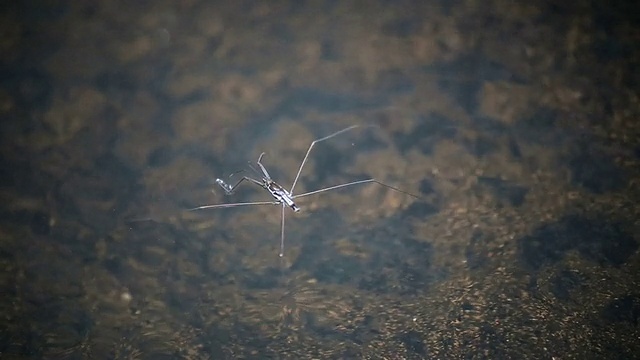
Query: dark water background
[(515, 122)]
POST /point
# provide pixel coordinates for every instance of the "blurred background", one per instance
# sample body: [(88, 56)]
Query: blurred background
[(516, 123)]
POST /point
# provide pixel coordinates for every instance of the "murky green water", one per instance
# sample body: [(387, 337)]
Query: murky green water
[(515, 124)]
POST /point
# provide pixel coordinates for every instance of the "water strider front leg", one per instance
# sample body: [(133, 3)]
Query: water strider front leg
[(262, 168), (228, 189)]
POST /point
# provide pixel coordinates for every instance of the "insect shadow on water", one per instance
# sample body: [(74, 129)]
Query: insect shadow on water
[(286, 198)]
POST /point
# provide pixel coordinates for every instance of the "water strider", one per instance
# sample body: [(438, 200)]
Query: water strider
[(280, 195)]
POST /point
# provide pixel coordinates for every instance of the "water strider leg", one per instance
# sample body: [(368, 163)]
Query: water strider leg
[(306, 156), (366, 181), (228, 189), (282, 232), (218, 206), (264, 170)]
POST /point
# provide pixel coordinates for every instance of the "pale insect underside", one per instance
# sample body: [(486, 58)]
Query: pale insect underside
[(283, 197)]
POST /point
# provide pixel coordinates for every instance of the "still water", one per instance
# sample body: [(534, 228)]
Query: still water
[(515, 125)]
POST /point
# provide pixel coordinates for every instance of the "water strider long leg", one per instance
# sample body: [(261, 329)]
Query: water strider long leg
[(203, 207), (366, 181), (306, 156), (229, 205), (282, 232)]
